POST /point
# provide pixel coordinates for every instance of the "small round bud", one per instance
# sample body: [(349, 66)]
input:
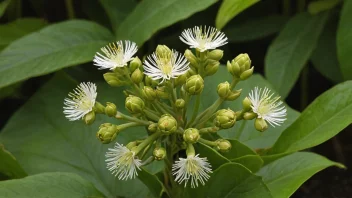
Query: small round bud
[(137, 76), (234, 69), (107, 132), (159, 153), (135, 63), (224, 90), (194, 85), (134, 104), (180, 80), (225, 118), (153, 127), (191, 135), (260, 124), (246, 74), (99, 108), (113, 80), (161, 92), (163, 51), (191, 58), (234, 95), (89, 118), (149, 93), (215, 54), (223, 145), (150, 82), (180, 103), (167, 124), (243, 61), (110, 109), (249, 115), (212, 67), (246, 104)]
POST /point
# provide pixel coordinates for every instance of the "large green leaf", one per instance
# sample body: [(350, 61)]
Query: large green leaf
[(255, 28), (152, 181), (325, 117), (231, 8), (214, 158), (344, 40), (284, 176), (53, 185), (43, 140), (252, 162), (244, 130), (238, 150), (290, 51), (50, 49), (9, 165), (152, 15), (17, 29)]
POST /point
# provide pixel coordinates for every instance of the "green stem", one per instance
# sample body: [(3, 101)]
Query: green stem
[(127, 125), (195, 111), (146, 142), (122, 116), (212, 129), (151, 115), (207, 142), (70, 9), (190, 150)]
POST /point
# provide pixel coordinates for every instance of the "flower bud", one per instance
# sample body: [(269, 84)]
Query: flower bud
[(89, 118), (249, 115), (107, 132), (233, 95), (135, 63), (191, 58), (150, 82), (194, 85), (161, 92), (223, 145), (153, 127), (180, 80), (149, 93), (113, 80), (110, 109), (167, 124), (246, 74), (239, 65), (246, 104), (191, 135), (224, 90), (180, 103), (225, 118), (159, 153), (212, 67), (137, 76), (99, 108), (163, 51), (243, 61), (215, 54), (260, 124), (134, 104)]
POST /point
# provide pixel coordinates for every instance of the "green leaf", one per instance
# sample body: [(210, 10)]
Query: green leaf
[(214, 158), (9, 165), (324, 57), (229, 9), (316, 7), (244, 130), (257, 28), (152, 15), (118, 10), (53, 185), (50, 49), (19, 28), (238, 150), (252, 162), (290, 51), (51, 143), (152, 182), (325, 117), (284, 176), (344, 40), (3, 6)]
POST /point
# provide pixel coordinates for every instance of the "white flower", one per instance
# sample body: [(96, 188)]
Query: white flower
[(116, 55), (81, 101), (166, 67), (194, 168), (203, 38), (123, 162), (267, 107)]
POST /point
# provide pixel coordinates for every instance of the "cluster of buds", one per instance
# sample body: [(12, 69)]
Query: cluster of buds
[(158, 94)]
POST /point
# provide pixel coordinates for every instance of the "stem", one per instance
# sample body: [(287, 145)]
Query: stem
[(147, 141), (127, 125), (207, 142), (190, 150), (151, 115), (122, 116), (212, 129), (195, 111), (70, 9)]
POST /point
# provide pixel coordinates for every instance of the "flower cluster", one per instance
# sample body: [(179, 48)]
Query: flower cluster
[(158, 94)]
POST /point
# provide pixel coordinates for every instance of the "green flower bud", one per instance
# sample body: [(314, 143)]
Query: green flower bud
[(89, 118), (135, 64), (134, 104), (194, 85), (246, 74), (239, 115), (234, 69), (249, 115), (191, 58), (163, 51), (212, 67), (223, 145), (110, 109), (246, 104), (153, 127), (233, 95), (159, 153), (215, 54), (260, 124), (225, 118), (191, 135), (107, 132), (149, 93), (150, 82), (99, 108), (167, 124), (161, 92), (113, 80), (239, 65), (224, 90), (180, 80), (137, 76), (180, 103)]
